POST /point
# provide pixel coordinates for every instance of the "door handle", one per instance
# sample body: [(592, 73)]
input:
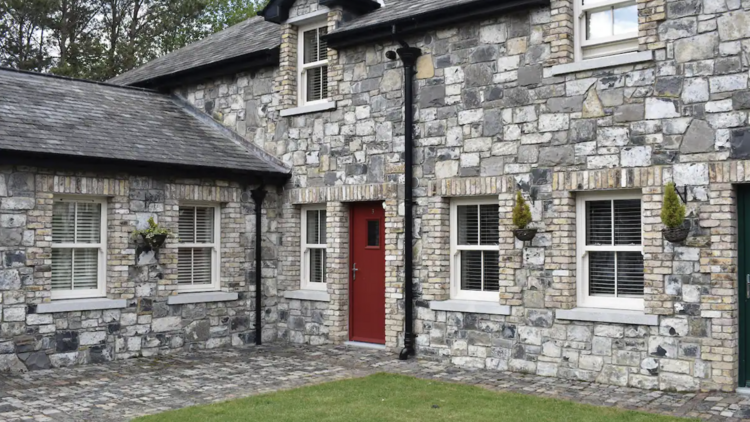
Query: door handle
[(747, 286), (354, 272)]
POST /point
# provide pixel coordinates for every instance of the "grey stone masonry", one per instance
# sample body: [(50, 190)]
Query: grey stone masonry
[(492, 119), (138, 321)]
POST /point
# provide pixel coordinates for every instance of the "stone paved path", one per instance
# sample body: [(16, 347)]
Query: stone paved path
[(120, 391)]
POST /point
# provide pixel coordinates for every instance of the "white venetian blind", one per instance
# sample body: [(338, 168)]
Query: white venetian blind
[(196, 248), (315, 64), (315, 245), (77, 245), (613, 228), (477, 232)]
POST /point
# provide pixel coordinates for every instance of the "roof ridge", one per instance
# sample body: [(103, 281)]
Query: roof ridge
[(68, 78)]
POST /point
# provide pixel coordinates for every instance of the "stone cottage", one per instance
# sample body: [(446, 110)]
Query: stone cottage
[(587, 109)]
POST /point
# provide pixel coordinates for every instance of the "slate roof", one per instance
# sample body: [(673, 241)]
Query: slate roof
[(395, 10), (43, 114), (251, 36)]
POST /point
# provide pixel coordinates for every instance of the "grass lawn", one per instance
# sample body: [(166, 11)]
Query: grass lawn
[(387, 397)]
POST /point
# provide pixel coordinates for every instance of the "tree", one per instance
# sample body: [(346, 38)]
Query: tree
[(521, 212), (75, 34), (99, 39), (672, 211), (24, 32)]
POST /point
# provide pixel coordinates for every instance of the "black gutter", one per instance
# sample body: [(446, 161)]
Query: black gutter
[(422, 22), (408, 56), (258, 196), (254, 60), (108, 165)]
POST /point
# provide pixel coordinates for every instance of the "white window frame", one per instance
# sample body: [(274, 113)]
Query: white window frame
[(303, 67), (582, 252), (101, 290), (455, 251), (306, 284), (215, 250), (601, 47)]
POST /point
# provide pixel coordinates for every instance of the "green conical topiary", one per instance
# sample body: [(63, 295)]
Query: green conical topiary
[(672, 211), (521, 212)]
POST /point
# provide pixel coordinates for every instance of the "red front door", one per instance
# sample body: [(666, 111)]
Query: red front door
[(367, 273)]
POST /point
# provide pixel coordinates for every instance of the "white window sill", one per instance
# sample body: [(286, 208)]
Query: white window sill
[(612, 316), (470, 306), (80, 305), (311, 295), (203, 297), (311, 108), (602, 62)]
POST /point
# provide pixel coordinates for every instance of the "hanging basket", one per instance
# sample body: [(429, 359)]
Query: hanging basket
[(155, 242), (677, 235), (524, 235)]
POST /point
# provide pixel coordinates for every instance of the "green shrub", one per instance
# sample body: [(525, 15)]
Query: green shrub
[(521, 212), (672, 211)]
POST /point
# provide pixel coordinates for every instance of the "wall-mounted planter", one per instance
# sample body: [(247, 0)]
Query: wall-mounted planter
[(677, 235), (154, 243), (524, 235)]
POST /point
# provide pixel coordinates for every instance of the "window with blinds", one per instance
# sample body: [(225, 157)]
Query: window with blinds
[(474, 244), (313, 65), (78, 248), (198, 248), (314, 248), (611, 251)]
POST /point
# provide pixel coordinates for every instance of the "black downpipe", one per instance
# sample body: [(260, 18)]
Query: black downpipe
[(258, 196), (408, 56)]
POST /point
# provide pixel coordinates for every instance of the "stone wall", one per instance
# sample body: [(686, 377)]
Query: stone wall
[(492, 119), (147, 325)]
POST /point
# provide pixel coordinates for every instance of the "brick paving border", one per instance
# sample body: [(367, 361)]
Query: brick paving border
[(122, 390)]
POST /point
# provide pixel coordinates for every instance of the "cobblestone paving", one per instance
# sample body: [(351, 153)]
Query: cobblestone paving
[(120, 391)]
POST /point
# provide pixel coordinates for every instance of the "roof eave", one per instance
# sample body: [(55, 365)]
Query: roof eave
[(255, 60), (154, 169), (427, 21)]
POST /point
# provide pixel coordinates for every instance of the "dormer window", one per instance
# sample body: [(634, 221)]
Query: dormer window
[(312, 78)]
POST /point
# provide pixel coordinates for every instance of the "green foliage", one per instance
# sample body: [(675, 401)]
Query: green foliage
[(152, 231), (392, 398), (99, 39), (521, 212), (672, 211)]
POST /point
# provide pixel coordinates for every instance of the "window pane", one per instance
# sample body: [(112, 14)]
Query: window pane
[(471, 270), (204, 225), (489, 225), (194, 266), (626, 20), (196, 225), (62, 269), (313, 227), (322, 44), (373, 233), (317, 265), (629, 274), (602, 273), (89, 222), (312, 48), (85, 268), (317, 83), (599, 222), (598, 24), (628, 222), (322, 219), (491, 271), (186, 225), (468, 227), (63, 222)]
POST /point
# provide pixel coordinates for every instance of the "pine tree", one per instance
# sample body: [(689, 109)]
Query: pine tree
[(672, 211), (521, 212)]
